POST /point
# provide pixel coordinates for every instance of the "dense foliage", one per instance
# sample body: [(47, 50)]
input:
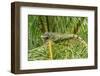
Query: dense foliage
[(66, 49)]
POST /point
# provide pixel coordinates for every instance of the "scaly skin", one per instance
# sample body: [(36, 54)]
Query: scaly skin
[(58, 36)]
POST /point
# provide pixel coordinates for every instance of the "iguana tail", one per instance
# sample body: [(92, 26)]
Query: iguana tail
[(79, 38)]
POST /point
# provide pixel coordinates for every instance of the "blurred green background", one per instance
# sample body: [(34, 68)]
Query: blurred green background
[(67, 49)]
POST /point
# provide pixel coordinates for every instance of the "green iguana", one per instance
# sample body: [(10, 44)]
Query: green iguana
[(60, 37)]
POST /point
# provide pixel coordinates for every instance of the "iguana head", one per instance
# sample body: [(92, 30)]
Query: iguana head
[(46, 36)]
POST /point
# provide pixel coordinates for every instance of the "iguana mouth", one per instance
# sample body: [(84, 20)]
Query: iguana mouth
[(42, 36)]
